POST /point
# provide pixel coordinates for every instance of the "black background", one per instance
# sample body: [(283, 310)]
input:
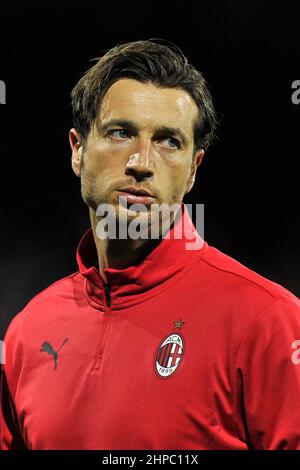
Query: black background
[(249, 53)]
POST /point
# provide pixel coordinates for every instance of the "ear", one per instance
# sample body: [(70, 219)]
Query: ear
[(197, 159), (76, 147)]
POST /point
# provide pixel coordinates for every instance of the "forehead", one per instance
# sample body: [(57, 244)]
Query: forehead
[(149, 105)]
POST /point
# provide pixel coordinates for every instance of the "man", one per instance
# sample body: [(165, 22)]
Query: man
[(151, 344)]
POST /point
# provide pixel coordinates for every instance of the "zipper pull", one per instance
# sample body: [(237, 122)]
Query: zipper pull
[(107, 294)]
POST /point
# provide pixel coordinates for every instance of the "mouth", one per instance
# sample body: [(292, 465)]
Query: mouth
[(137, 195), (136, 191)]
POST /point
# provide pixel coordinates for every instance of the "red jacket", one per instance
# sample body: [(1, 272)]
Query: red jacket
[(187, 350)]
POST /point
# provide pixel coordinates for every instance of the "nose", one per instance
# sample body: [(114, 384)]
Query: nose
[(140, 164)]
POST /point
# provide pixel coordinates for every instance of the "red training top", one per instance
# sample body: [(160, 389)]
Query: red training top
[(187, 350)]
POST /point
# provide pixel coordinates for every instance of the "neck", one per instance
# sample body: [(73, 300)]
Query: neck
[(120, 253)]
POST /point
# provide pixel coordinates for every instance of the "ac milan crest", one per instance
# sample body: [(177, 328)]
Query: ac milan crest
[(169, 355)]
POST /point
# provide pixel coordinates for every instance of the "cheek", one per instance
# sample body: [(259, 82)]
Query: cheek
[(175, 176), (102, 162), (97, 182)]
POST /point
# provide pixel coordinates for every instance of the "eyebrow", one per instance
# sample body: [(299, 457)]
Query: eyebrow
[(133, 127)]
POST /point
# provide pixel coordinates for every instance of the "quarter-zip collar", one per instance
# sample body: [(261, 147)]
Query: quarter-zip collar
[(163, 266)]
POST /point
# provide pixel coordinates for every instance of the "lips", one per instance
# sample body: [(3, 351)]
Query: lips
[(136, 191), (134, 195)]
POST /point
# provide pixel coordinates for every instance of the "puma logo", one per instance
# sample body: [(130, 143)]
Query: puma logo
[(47, 348)]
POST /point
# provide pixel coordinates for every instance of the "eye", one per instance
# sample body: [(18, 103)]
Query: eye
[(118, 134), (172, 142)]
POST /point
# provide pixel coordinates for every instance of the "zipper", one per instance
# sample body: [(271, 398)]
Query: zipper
[(105, 328), (107, 294)]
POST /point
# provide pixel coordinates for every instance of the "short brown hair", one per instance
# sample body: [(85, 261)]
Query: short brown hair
[(146, 61)]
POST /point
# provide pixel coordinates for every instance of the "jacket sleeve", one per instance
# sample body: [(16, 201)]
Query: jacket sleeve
[(268, 371), (10, 438), (10, 435)]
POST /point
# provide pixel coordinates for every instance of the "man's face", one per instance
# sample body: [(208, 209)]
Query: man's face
[(152, 150)]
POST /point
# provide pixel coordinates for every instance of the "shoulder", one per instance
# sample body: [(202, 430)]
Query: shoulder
[(240, 297), (42, 304), (256, 312), (243, 281)]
